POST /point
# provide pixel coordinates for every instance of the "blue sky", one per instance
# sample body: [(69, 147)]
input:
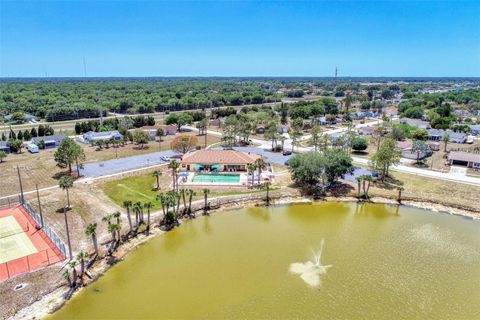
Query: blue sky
[(239, 38)]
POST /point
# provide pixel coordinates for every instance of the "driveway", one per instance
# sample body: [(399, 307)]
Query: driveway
[(91, 170)]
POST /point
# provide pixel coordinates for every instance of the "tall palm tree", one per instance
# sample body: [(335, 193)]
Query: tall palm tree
[(148, 206), (267, 186), (177, 198), (191, 193), (81, 257), (92, 231), (205, 197), (368, 179), (445, 139), (114, 229), (182, 193), (400, 189), (65, 183), (163, 203), (252, 167), (117, 216), (157, 174), (359, 181), (73, 264), (137, 206), (127, 204), (260, 164), (66, 276), (174, 165)]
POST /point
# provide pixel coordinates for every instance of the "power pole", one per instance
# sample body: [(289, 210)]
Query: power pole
[(39, 206), (20, 182)]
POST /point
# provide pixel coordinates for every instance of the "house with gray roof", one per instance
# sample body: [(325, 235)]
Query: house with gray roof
[(50, 141), (455, 137), (468, 159), (416, 123), (107, 135), (474, 129)]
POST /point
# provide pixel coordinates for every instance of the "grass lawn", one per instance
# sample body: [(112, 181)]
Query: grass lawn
[(428, 189), (142, 188), (137, 188)]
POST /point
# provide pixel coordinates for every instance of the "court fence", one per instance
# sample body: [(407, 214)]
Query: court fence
[(28, 263), (46, 229)]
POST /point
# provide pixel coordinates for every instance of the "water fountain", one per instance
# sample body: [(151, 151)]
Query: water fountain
[(311, 271)]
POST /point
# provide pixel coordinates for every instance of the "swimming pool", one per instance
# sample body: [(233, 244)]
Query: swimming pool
[(217, 178)]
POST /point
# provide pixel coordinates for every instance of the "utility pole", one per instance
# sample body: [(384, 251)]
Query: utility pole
[(39, 206), (20, 182)]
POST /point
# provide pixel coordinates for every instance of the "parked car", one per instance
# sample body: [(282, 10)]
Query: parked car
[(286, 152)]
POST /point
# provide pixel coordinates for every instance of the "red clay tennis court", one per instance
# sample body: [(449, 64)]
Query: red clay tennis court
[(23, 247)]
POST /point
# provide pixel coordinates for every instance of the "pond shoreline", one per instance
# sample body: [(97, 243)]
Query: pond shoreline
[(54, 300)]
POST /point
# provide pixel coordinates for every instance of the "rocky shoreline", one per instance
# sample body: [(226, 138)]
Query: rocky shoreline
[(54, 300)]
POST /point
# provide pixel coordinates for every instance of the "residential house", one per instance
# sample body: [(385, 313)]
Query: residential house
[(474, 129), (92, 136), (4, 147), (454, 137), (367, 131), (406, 148), (49, 141), (150, 130), (169, 129), (416, 123), (217, 160), (468, 159)]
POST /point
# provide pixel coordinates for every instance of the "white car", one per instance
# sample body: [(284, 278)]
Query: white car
[(164, 158)]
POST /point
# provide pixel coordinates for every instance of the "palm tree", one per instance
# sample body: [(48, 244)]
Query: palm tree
[(137, 208), (65, 183), (174, 165), (252, 167), (66, 276), (117, 216), (205, 196), (108, 219), (446, 139), (267, 186), (359, 181), (400, 189), (191, 193), (260, 163), (148, 206), (81, 257), (127, 204), (177, 198), (72, 264), (157, 174), (114, 229), (367, 178), (92, 231), (182, 193), (161, 197)]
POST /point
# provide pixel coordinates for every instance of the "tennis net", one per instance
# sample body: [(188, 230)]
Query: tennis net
[(12, 232)]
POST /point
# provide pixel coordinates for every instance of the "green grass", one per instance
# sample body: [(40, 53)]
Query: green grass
[(137, 188), (141, 188)]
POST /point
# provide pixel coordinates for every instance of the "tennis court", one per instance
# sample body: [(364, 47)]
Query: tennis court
[(23, 247)]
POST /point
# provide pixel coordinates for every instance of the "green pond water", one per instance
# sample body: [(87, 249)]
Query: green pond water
[(378, 262)]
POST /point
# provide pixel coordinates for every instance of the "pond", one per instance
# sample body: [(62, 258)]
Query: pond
[(321, 260)]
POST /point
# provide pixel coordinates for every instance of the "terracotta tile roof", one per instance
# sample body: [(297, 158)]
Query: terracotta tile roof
[(464, 156), (219, 157)]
